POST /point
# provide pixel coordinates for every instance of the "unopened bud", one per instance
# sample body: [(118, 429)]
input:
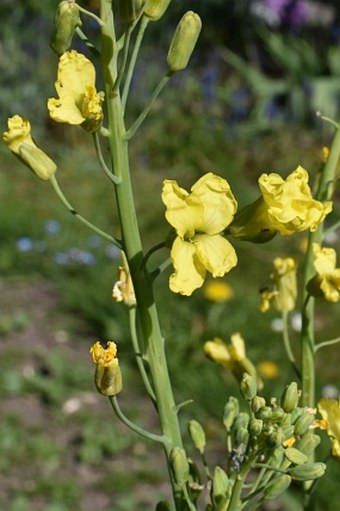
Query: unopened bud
[(180, 465), (241, 421), (257, 403), (288, 431), (290, 397), (220, 489), (184, 41), (264, 413), (303, 423), (242, 435), (275, 438), (308, 443), (278, 414), (197, 434), (295, 456), (129, 10), (230, 413), (295, 414), (66, 20), (154, 9), (248, 387), (308, 471), (107, 376), (255, 427), (277, 487)]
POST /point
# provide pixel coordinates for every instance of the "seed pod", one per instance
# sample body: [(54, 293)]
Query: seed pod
[(180, 465), (67, 19), (154, 9), (303, 423), (248, 387), (197, 434), (308, 471), (277, 487), (183, 41), (290, 397), (295, 456), (129, 10)]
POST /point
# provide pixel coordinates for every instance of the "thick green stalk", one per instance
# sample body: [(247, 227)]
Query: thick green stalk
[(325, 191), (152, 339)]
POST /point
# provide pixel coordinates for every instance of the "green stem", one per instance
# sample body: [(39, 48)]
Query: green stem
[(71, 209), (87, 42), (130, 133), (146, 307), (90, 15), (142, 27), (307, 333), (102, 162), (235, 499), (326, 343), (286, 342), (137, 429)]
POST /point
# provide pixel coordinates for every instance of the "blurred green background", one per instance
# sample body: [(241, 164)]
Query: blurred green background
[(246, 105)]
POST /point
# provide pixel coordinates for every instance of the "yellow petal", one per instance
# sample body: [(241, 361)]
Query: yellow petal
[(219, 203), (75, 71), (65, 110), (215, 253), (19, 132), (218, 351), (184, 212), (330, 411), (189, 272), (324, 259)]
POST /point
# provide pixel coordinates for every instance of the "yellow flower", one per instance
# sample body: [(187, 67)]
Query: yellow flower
[(218, 291), (268, 369), (291, 207), (327, 280), (330, 411), (286, 206), (232, 356), (18, 139), (199, 218), (107, 377), (79, 103), (284, 292)]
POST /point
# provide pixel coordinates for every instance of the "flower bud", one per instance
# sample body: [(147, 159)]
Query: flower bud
[(275, 438), (264, 413), (220, 489), (154, 9), (184, 41), (248, 387), (295, 456), (242, 420), (255, 427), (288, 431), (278, 414), (257, 403), (107, 376), (277, 487), (290, 397), (295, 414), (303, 423), (230, 413), (18, 139), (66, 20), (308, 443), (129, 10), (180, 465), (308, 471), (123, 290), (197, 434), (242, 435)]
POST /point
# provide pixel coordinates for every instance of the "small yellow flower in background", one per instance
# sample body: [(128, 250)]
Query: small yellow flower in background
[(325, 153), (286, 206), (79, 103), (218, 291), (326, 283), (284, 292), (232, 356), (199, 218), (268, 369), (107, 377), (18, 139), (123, 289), (330, 411)]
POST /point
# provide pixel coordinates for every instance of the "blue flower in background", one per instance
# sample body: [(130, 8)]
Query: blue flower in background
[(52, 226), (24, 244)]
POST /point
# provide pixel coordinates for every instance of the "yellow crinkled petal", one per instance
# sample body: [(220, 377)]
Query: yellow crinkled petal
[(184, 212), (189, 272), (324, 259), (237, 348), (215, 253), (219, 203), (330, 411), (65, 110), (75, 71), (91, 106), (19, 132), (291, 207), (218, 351)]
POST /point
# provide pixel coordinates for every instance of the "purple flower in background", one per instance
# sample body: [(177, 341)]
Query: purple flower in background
[(282, 12)]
